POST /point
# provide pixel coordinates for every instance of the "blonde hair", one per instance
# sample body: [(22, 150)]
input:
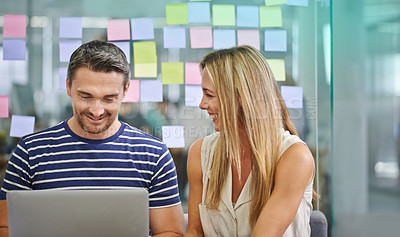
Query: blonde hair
[(249, 97)]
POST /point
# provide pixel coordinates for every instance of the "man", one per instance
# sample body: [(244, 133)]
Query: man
[(93, 149)]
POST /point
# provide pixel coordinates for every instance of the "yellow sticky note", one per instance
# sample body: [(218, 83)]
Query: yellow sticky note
[(176, 14), (278, 68), (271, 16), (275, 2), (145, 70), (172, 73), (223, 15), (144, 52)]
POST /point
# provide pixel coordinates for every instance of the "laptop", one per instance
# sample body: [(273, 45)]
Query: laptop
[(76, 213)]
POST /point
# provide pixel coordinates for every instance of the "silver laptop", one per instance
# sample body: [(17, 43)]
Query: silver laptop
[(75, 213)]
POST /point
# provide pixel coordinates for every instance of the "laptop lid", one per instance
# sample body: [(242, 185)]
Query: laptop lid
[(78, 213)]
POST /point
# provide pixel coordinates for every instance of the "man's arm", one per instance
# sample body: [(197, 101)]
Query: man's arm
[(167, 221), (3, 219)]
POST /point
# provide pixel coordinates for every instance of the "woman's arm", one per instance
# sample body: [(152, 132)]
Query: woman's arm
[(294, 173), (195, 175)]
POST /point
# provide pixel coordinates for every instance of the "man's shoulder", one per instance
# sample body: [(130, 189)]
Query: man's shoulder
[(50, 131), (136, 133)]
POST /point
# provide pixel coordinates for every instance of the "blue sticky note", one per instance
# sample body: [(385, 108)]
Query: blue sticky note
[(247, 16), (224, 39), (303, 3), (151, 91), (173, 136), (125, 46), (293, 96), (62, 77), (142, 28), (193, 95), (199, 12), (174, 37), (275, 40), (21, 125), (71, 27), (14, 49), (67, 47)]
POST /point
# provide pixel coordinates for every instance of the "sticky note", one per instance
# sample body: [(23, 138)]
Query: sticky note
[(14, 49), (145, 70), (21, 125), (247, 16), (62, 78), (199, 12), (275, 40), (293, 96), (224, 39), (174, 37), (142, 28), (278, 68), (249, 37), (67, 47), (274, 2), (303, 3), (173, 136), (71, 27), (223, 15), (271, 16), (192, 74), (172, 73), (133, 94), (14, 26), (200, 0), (3, 106), (151, 91), (118, 29), (144, 52), (193, 95), (125, 46), (176, 14), (201, 37)]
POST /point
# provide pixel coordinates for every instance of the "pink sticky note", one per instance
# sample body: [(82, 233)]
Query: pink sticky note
[(3, 106), (133, 92), (192, 74), (118, 29), (14, 26), (201, 37), (249, 37)]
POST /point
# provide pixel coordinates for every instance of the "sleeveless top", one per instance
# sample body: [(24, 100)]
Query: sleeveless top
[(233, 219)]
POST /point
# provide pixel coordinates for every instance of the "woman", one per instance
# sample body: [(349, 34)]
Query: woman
[(254, 176)]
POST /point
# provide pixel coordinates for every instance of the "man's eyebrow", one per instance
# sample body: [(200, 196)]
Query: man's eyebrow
[(83, 92)]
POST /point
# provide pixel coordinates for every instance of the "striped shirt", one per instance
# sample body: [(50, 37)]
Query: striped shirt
[(58, 159)]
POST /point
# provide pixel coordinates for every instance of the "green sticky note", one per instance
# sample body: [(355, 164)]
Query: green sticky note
[(145, 70), (278, 68), (144, 52), (223, 15), (177, 14), (271, 16), (275, 2), (172, 73)]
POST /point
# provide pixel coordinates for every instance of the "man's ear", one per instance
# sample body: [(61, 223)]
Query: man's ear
[(126, 88), (68, 87)]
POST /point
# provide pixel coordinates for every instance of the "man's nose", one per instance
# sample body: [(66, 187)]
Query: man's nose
[(96, 108)]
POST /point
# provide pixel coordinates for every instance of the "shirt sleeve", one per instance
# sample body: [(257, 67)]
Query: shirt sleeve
[(17, 176), (163, 191)]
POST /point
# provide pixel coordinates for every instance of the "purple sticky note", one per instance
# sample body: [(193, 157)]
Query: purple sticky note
[(62, 77), (151, 91), (118, 29), (275, 40), (125, 46), (293, 96), (192, 74), (173, 136), (71, 27), (200, 37), (67, 47), (249, 37), (14, 26), (193, 95), (224, 39), (14, 49), (133, 94), (3, 106), (174, 37), (21, 125), (142, 28)]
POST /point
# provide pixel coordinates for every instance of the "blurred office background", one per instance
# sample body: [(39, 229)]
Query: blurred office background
[(344, 55)]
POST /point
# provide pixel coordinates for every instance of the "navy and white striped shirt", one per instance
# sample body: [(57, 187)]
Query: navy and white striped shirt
[(58, 159)]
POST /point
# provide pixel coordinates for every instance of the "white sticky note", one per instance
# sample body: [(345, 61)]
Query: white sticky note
[(62, 77), (193, 95), (224, 39), (67, 47), (125, 46), (173, 136), (293, 96), (174, 37), (275, 40), (71, 27), (21, 125), (142, 28), (303, 3), (151, 91)]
